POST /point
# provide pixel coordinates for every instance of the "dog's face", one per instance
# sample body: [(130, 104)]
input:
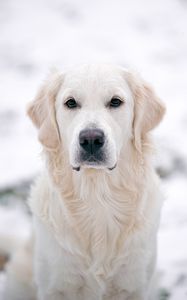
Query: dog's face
[(94, 111)]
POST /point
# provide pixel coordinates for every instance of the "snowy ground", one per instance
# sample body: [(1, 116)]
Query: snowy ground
[(147, 35)]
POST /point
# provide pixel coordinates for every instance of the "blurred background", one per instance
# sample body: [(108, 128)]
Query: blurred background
[(148, 36)]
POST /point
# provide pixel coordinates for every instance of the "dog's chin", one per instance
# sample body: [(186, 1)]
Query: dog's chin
[(94, 166)]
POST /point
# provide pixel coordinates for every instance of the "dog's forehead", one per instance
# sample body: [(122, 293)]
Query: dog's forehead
[(95, 78)]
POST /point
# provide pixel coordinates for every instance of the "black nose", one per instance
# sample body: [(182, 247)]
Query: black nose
[(91, 140)]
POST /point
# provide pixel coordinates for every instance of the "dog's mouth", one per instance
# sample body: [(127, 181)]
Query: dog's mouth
[(93, 163)]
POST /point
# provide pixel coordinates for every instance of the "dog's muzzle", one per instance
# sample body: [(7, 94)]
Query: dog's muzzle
[(93, 150)]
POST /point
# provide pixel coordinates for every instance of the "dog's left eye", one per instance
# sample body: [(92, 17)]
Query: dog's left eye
[(115, 102), (71, 103)]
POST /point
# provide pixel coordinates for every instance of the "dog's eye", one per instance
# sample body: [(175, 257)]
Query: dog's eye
[(115, 102), (71, 103)]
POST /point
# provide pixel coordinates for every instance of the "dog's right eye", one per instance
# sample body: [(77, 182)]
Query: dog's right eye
[(71, 103)]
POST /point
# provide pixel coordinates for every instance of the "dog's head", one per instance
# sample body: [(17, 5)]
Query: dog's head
[(93, 112)]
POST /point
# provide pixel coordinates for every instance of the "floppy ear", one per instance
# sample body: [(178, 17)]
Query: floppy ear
[(42, 111), (148, 109)]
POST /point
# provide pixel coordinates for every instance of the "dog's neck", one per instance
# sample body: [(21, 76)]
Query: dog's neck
[(102, 206)]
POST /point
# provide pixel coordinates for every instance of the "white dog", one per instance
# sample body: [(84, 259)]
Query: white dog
[(97, 205)]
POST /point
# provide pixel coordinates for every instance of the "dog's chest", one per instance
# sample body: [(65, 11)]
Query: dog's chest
[(92, 279), (100, 235)]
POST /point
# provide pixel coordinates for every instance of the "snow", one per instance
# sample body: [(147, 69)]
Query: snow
[(149, 36)]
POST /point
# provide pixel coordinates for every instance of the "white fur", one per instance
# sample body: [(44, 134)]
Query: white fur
[(95, 230)]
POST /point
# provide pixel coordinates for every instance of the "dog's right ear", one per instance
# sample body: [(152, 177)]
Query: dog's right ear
[(42, 111)]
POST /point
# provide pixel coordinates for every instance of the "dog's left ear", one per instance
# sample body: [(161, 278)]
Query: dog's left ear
[(148, 109), (42, 111)]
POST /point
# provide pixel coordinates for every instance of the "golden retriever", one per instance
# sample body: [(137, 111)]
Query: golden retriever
[(96, 206)]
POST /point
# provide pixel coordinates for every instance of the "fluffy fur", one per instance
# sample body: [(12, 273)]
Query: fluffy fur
[(95, 230)]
